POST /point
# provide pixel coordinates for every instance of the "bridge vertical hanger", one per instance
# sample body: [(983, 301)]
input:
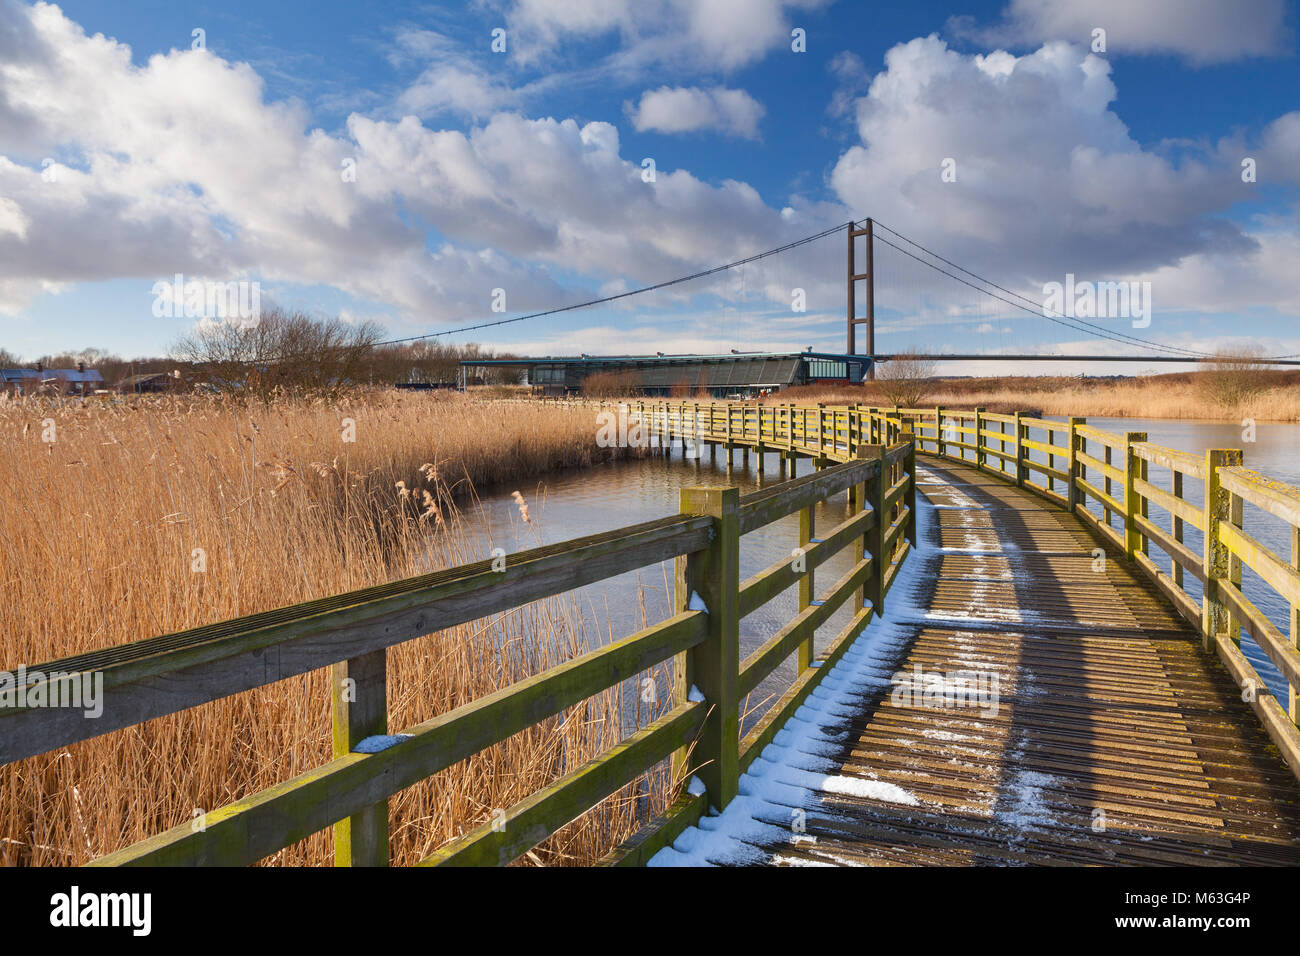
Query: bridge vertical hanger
[(867, 275)]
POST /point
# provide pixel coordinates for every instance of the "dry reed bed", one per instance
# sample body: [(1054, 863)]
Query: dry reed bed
[(1142, 398), (163, 515)]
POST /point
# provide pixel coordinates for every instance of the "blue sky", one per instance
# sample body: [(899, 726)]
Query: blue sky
[(479, 170)]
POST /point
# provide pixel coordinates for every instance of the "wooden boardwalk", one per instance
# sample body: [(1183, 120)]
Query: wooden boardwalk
[(1116, 739)]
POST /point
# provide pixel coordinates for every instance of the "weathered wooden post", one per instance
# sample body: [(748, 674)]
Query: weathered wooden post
[(666, 447), (807, 586), (979, 437), (360, 710), (1292, 701), (1132, 471), (1215, 556), (876, 486), (1178, 525), (938, 430), (1110, 491), (1072, 465), (1143, 465), (858, 504), (1235, 504), (1020, 451), (713, 667), (909, 493), (1051, 461)]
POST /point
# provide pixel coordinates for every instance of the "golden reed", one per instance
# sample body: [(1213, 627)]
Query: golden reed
[(122, 521)]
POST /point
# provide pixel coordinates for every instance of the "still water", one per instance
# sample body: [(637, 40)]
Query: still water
[(612, 495)]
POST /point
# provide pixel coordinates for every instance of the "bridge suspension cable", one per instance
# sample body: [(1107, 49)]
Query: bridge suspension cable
[(1074, 323), (631, 292), (603, 300)]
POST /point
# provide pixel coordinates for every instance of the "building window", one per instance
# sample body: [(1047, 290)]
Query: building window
[(827, 368)]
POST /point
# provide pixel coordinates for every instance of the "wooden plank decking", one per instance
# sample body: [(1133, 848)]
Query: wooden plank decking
[(1107, 706)]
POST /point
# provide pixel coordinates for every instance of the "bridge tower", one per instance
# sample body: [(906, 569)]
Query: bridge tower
[(867, 276)]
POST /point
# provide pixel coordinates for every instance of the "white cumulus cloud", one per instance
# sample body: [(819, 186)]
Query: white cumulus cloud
[(725, 34), (687, 109), (1202, 31)]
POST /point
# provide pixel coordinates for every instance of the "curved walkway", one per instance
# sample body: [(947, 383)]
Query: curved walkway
[(1020, 702)]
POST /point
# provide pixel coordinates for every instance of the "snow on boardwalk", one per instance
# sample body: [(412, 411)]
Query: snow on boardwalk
[(1019, 703)]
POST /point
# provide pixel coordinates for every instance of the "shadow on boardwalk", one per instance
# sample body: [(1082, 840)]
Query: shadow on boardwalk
[(1111, 737)]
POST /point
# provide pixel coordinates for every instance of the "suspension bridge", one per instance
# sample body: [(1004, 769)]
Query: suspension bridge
[(900, 293)]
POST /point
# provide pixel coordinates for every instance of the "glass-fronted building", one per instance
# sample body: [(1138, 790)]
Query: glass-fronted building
[(736, 374)]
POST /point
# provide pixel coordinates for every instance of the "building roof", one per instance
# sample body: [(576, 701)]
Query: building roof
[(143, 377), (66, 374), (72, 375), (746, 370), (656, 359)]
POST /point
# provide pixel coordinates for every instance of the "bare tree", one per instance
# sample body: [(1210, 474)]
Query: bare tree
[(1231, 376), (904, 380), (281, 353)]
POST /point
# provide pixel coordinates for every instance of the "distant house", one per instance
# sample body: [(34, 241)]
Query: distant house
[(149, 382), (20, 381), (56, 381), (76, 381)]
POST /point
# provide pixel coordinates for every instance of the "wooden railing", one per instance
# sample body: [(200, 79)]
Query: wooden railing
[(872, 460), (1080, 463)]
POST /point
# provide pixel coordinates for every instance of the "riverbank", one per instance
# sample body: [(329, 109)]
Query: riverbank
[(126, 521), (1179, 396)]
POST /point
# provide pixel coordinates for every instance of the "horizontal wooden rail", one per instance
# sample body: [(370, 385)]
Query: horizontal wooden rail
[(257, 826), (767, 658), (763, 507), (1178, 552), (1181, 461), (1176, 506), (1096, 464), (1275, 572), (1104, 438), (1277, 498), (174, 672), (516, 831), (784, 574)]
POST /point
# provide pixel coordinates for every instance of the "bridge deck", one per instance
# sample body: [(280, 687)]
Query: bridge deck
[(1107, 705)]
